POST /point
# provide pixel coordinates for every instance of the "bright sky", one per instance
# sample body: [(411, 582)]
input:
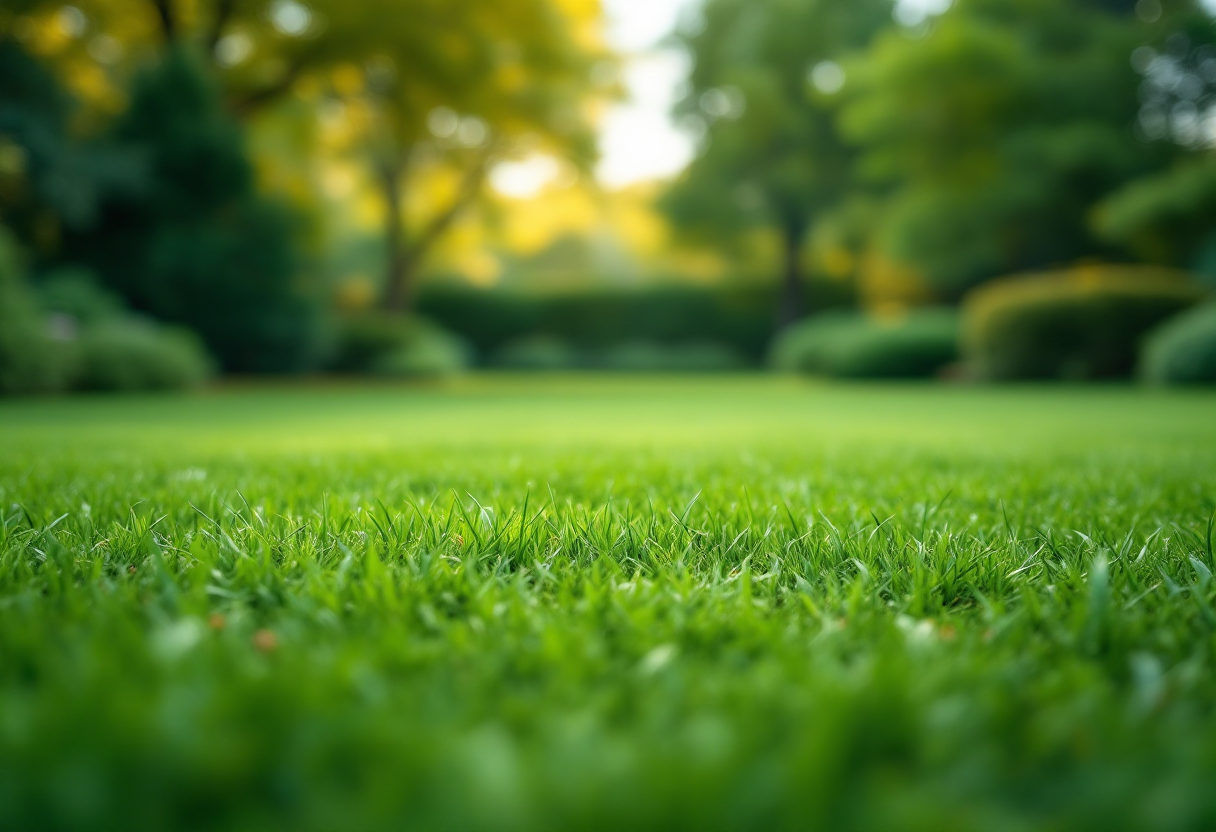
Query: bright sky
[(638, 140)]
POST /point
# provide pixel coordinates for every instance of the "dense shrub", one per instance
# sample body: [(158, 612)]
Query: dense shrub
[(1085, 323), (75, 293), (384, 343), (30, 360), (539, 352), (433, 352), (805, 347), (109, 348), (547, 353), (738, 316), (1183, 349), (128, 354), (61, 173), (844, 345), (649, 357), (198, 245)]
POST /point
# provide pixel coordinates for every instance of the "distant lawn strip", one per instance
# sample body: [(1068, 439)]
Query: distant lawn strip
[(609, 604)]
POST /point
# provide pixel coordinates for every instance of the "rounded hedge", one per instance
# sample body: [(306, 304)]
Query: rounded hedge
[(386, 344), (652, 357), (1183, 349), (128, 354), (31, 359), (538, 353), (1083, 323), (76, 293), (916, 345)]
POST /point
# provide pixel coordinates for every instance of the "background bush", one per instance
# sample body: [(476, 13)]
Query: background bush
[(76, 294), (197, 245), (1183, 350), (30, 360), (111, 349), (389, 344), (128, 354), (739, 317), (649, 357), (1085, 323), (806, 346), (848, 345), (539, 352)]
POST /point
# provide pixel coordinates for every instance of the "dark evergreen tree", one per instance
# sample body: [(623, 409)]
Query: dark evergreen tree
[(51, 179), (198, 245)]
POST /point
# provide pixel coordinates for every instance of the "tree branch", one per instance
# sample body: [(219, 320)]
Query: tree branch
[(261, 97), (168, 20), (223, 11), (443, 221)]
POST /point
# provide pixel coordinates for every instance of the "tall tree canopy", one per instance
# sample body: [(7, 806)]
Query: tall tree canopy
[(764, 77), (453, 85), (997, 132)]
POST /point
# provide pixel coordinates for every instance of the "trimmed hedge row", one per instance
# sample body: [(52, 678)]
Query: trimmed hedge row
[(736, 317), (848, 345), (69, 334), (1183, 349), (543, 353), (1083, 323), (380, 343)]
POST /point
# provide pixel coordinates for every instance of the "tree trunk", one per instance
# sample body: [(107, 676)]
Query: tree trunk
[(791, 298), (405, 255), (397, 278), (168, 20)]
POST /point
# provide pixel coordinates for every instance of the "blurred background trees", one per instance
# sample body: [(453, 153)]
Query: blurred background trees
[(998, 132), (295, 181), (763, 77)]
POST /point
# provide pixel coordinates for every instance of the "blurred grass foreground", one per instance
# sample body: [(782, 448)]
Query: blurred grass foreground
[(580, 603)]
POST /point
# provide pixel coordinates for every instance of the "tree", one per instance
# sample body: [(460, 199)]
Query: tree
[(1169, 215), (996, 132), (506, 79), (453, 85), (50, 178), (764, 77), (198, 245)]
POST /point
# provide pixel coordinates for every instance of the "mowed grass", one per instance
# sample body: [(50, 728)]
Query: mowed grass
[(595, 603)]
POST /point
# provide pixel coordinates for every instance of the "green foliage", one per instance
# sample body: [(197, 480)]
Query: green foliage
[(804, 347), (198, 246), (128, 354), (365, 337), (652, 605), (736, 316), (1081, 324), (649, 357), (30, 361), (389, 344), (547, 353), (50, 177), (108, 348), (997, 133), (71, 334), (1183, 349), (539, 352), (916, 345), (771, 155), (1166, 217), (431, 352), (74, 292)]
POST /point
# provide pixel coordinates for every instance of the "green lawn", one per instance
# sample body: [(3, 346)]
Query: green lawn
[(593, 602)]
